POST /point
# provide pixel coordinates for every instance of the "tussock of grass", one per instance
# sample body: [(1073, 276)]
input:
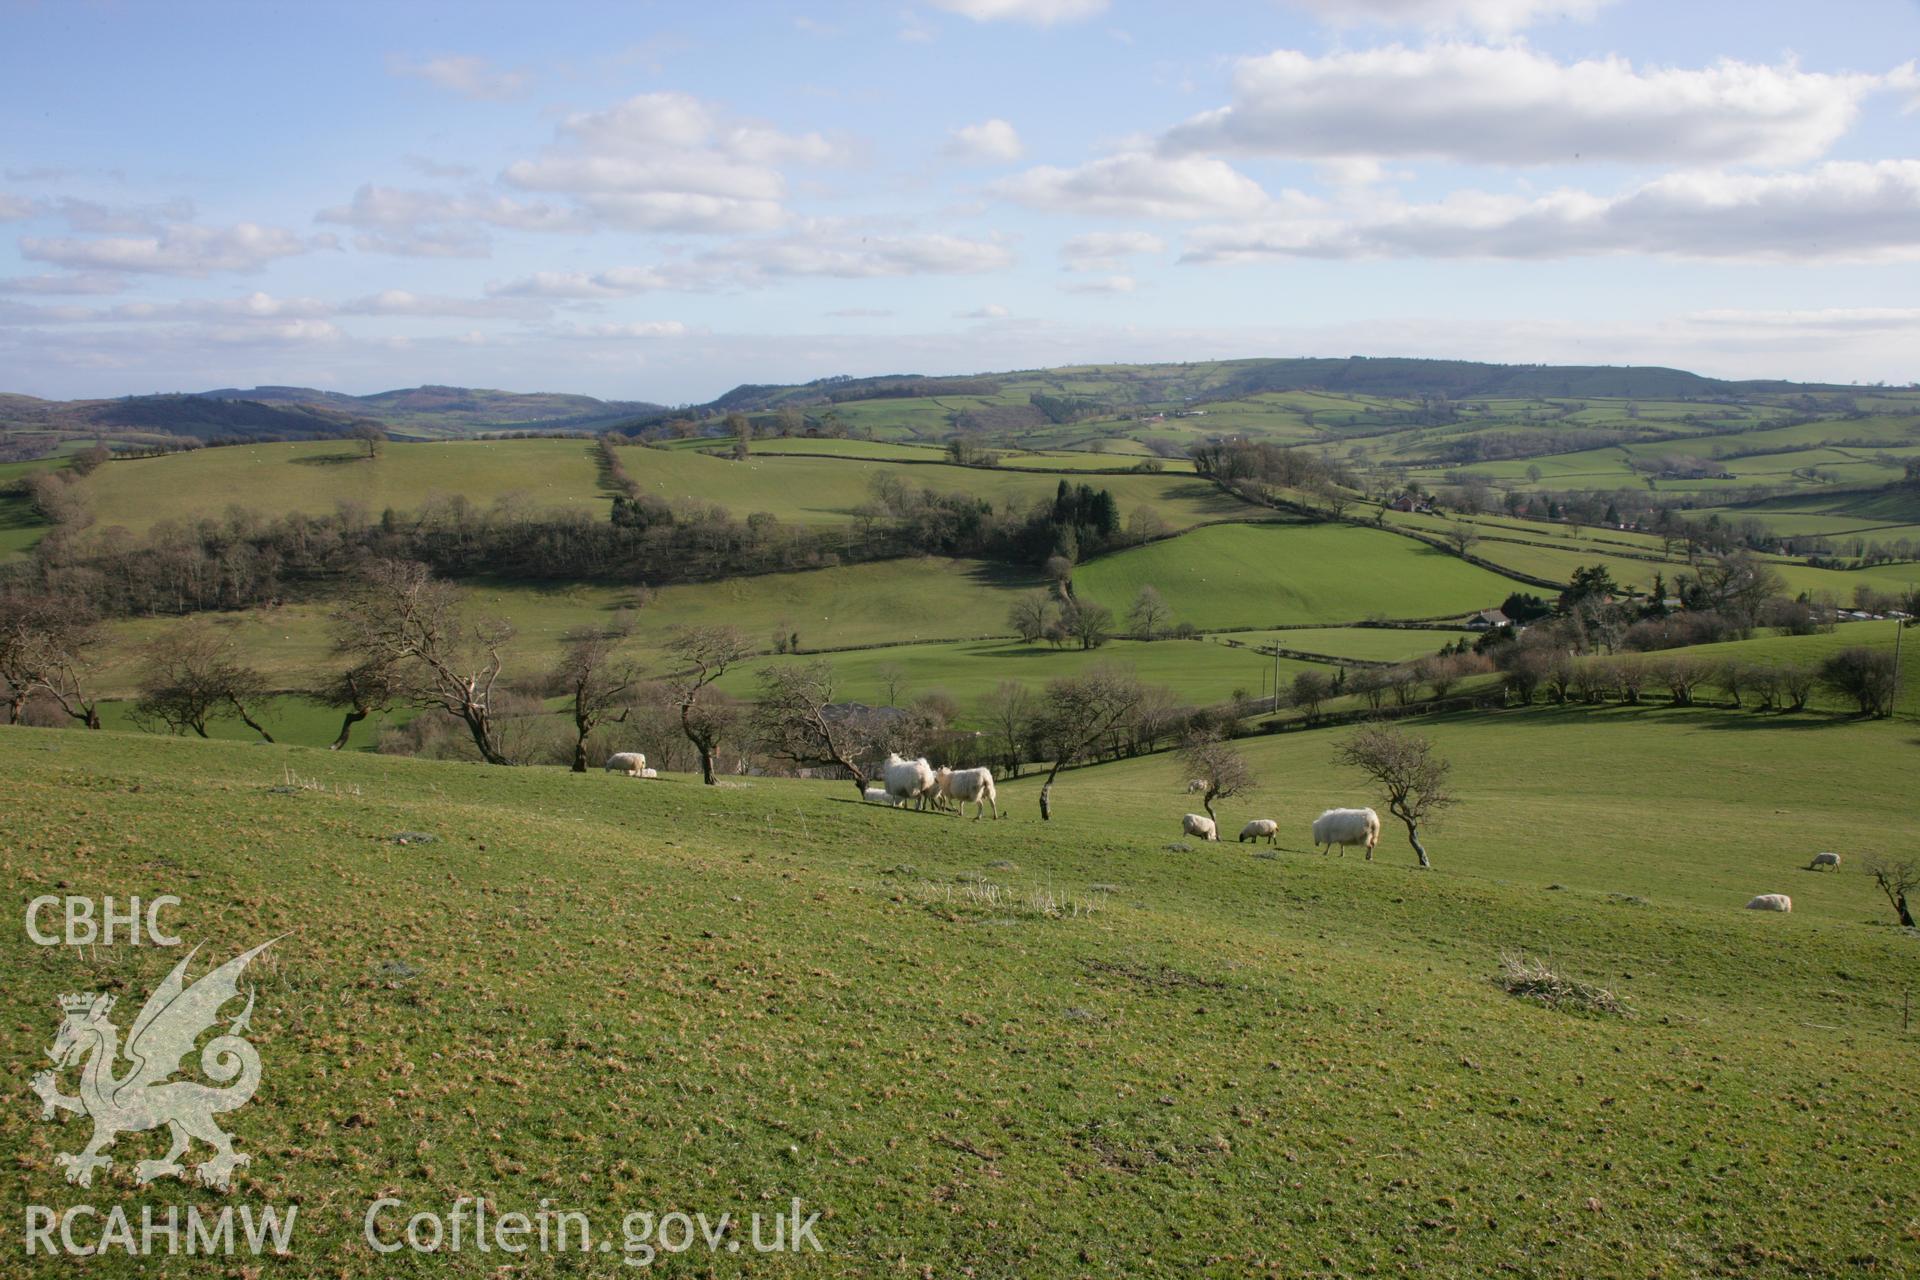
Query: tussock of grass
[(1532, 978), (971, 894)]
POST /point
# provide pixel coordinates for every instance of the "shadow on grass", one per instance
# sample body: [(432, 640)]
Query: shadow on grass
[(328, 459), (1721, 719)]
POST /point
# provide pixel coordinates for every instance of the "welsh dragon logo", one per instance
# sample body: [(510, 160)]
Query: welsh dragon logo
[(142, 1098)]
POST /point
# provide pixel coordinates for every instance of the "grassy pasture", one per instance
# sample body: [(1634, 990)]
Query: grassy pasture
[(1369, 644), (813, 490), (893, 601), (1199, 671), (316, 476), (619, 995), (1263, 575)]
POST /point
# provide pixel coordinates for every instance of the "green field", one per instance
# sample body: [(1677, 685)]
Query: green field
[(317, 476), (1200, 672), (623, 995), (884, 602), (1267, 575), (1368, 644)]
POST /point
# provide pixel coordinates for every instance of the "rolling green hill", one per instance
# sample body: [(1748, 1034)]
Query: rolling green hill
[(615, 994)]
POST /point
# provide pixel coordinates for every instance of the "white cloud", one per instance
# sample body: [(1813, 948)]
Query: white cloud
[(1839, 212), (636, 329), (1106, 285), (252, 306), (1516, 106), (18, 208), (1135, 184), (1038, 13), (94, 218), (402, 209), (990, 140), (427, 242), (991, 311), (832, 251), (1107, 250), (1840, 319), (860, 313), (670, 162), (432, 168), (618, 282), (176, 250), (402, 302), (94, 282), (1498, 17), (468, 76)]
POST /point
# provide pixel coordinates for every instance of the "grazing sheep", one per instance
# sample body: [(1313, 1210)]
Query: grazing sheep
[(1196, 786), (968, 786), (1259, 827), (909, 780), (1344, 827), (1831, 860), (649, 773), (631, 763), (1771, 902), (876, 795), (1200, 826)]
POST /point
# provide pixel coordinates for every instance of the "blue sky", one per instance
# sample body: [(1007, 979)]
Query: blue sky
[(660, 201)]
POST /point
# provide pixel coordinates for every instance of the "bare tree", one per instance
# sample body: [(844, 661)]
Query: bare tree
[(1211, 757), (598, 683), (1009, 710), (1864, 675), (358, 692), (1412, 776), (1059, 571), (893, 679), (42, 641), (189, 678), (706, 654), (369, 434), (396, 616), (1076, 713), (1089, 623), (1896, 879), (1029, 615), (1461, 537), (1149, 614), (1310, 689), (797, 720)]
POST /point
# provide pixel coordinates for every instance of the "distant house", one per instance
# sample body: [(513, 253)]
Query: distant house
[(1401, 503), (1489, 620)]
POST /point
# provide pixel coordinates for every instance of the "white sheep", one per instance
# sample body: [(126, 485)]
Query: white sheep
[(1771, 902), (1820, 860), (1258, 828), (968, 786), (631, 763), (1200, 826), (909, 779), (1196, 786), (1344, 827), (649, 773), (876, 795)]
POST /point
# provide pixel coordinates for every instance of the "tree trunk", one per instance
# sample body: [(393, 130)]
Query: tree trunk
[(14, 704), (249, 721), (480, 726), (580, 754), (1906, 916), (1413, 838), (706, 765), (1046, 790), (353, 717)]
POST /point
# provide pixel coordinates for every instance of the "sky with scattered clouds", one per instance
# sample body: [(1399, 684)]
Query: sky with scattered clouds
[(660, 201)]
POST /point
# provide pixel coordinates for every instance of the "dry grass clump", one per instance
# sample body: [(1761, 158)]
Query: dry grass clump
[(1532, 978)]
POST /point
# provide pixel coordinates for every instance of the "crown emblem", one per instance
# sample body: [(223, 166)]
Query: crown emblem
[(81, 1001)]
